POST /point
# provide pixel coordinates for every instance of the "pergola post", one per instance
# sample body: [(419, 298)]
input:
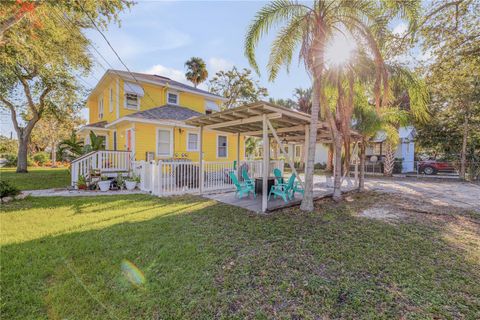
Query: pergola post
[(282, 150), (238, 157), (266, 162), (200, 160)]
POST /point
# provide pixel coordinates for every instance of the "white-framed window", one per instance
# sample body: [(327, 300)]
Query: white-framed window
[(110, 106), (100, 107), (298, 151), (193, 141), (132, 101), (164, 142), (222, 147), (172, 97)]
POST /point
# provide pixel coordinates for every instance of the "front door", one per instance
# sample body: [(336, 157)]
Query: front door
[(129, 140)]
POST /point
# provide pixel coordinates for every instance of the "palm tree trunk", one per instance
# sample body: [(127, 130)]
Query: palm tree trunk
[(307, 202), (330, 158), (337, 173), (463, 159), (389, 161), (361, 179)]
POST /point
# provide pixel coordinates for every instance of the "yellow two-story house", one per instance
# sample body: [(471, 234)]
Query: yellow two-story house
[(146, 114)]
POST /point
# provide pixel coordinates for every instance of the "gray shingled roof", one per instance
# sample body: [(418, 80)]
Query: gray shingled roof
[(162, 81), (166, 112), (100, 124)]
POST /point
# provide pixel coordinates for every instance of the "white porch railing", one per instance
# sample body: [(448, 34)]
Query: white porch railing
[(105, 161), (183, 177)]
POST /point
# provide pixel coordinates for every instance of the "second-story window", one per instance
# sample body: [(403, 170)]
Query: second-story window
[(110, 106), (100, 107), (131, 101), (172, 98)]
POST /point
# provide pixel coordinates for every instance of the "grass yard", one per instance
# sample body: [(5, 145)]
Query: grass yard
[(37, 178), (72, 259)]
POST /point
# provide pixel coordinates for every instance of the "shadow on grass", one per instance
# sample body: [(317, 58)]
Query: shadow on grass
[(217, 261)]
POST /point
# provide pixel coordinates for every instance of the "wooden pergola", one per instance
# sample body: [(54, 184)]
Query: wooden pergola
[(264, 120)]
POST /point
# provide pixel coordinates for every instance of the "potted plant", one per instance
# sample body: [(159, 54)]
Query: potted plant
[(131, 182), (82, 183), (104, 184), (120, 182)]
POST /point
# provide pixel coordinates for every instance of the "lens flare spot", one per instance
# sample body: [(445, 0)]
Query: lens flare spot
[(133, 274)]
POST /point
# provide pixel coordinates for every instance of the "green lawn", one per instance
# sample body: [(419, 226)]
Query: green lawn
[(37, 178), (61, 258)]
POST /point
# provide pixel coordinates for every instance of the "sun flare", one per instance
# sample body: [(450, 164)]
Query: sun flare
[(339, 50)]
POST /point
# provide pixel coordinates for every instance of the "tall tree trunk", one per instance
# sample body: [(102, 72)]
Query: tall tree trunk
[(337, 172), (330, 158), (22, 154), (463, 156), (389, 161), (361, 179), (307, 202)]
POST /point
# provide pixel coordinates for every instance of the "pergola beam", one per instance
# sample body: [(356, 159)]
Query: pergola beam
[(242, 121)]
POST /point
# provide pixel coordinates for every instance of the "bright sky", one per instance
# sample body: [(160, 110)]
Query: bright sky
[(158, 37)]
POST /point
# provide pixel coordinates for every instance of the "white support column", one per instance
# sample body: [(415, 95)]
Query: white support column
[(239, 174), (266, 162), (200, 160)]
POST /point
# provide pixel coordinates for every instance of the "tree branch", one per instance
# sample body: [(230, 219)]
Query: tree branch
[(13, 114)]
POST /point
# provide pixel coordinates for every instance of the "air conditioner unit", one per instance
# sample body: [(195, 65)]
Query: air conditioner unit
[(149, 156)]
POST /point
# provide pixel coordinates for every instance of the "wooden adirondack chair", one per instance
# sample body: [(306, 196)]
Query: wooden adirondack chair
[(246, 178), (283, 190), (242, 188), (278, 175)]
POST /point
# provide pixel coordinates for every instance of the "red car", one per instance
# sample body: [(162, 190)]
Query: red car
[(430, 167)]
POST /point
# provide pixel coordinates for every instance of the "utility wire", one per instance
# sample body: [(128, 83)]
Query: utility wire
[(67, 20), (113, 49)]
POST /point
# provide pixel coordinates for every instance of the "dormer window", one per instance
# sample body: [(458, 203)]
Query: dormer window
[(172, 97), (131, 101)]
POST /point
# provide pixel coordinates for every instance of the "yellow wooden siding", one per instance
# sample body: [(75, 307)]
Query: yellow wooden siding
[(146, 140)]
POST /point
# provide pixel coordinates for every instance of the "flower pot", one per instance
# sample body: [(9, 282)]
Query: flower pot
[(104, 185), (82, 187), (130, 184)]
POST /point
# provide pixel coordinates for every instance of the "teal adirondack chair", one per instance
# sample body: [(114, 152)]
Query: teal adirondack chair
[(296, 187), (247, 178), (278, 175), (283, 190), (242, 188)]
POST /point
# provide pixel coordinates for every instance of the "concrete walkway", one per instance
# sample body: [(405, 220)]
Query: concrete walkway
[(78, 193)]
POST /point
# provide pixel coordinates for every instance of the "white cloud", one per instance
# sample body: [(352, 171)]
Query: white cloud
[(216, 64), (171, 73)]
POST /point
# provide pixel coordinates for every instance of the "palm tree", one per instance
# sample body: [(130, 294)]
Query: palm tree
[(310, 28), (70, 148), (196, 71)]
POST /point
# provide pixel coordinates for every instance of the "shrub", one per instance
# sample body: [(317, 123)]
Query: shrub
[(320, 166), (7, 189), (11, 159), (41, 158)]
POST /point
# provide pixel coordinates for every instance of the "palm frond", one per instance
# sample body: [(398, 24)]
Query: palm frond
[(270, 15)]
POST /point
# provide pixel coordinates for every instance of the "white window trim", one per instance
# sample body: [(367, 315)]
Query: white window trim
[(110, 106), (171, 143), (100, 103), (198, 141), (175, 93), (126, 106), (226, 147)]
